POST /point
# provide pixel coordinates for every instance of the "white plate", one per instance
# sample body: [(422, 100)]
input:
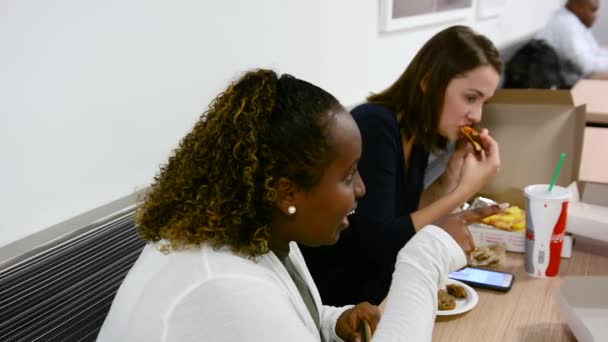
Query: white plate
[(464, 304)]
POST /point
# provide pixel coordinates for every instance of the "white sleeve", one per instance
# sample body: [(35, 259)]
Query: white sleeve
[(411, 305), (235, 308), (580, 47), (588, 59), (329, 316)]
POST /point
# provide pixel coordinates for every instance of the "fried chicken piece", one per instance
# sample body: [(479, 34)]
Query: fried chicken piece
[(445, 301), (488, 255), (481, 253), (457, 291)]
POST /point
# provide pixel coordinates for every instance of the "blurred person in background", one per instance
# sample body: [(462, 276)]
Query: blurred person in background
[(568, 31)]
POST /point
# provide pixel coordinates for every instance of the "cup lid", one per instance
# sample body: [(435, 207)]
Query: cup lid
[(542, 191)]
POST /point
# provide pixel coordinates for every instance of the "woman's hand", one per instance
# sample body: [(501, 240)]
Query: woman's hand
[(478, 169), (457, 224), (452, 174), (347, 326)]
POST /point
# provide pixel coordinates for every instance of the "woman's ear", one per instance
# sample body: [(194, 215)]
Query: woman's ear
[(286, 191), (423, 83)]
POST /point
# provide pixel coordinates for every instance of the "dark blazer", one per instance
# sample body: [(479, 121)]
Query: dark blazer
[(360, 266)]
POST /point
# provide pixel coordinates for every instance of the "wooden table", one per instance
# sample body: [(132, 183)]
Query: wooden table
[(529, 311)]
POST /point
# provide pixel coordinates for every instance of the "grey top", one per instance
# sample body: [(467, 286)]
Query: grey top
[(300, 284)]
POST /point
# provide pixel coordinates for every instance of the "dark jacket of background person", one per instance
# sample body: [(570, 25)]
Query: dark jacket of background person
[(537, 65)]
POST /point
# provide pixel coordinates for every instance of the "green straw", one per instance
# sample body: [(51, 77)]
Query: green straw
[(556, 173)]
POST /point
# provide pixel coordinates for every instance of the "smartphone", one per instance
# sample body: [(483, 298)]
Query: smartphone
[(485, 279)]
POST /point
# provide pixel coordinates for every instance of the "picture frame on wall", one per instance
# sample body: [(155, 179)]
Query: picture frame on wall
[(490, 8), (407, 14)]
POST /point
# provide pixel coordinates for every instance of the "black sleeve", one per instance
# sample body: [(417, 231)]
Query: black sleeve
[(382, 224)]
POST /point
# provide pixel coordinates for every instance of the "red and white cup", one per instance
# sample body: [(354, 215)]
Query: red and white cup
[(546, 215)]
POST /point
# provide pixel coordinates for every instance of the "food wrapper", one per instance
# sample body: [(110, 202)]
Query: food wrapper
[(479, 202), (476, 203)]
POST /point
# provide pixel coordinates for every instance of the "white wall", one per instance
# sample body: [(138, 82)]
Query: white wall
[(95, 94), (600, 28)]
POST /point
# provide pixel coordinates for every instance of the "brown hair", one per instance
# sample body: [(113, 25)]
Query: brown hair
[(218, 187), (450, 53)]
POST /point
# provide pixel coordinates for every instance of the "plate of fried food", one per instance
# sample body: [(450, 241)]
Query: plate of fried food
[(455, 298)]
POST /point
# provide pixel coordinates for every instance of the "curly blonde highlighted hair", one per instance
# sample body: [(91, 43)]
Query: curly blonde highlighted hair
[(218, 186)]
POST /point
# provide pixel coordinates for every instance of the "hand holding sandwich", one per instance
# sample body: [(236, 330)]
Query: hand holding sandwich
[(480, 167), (485, 157)]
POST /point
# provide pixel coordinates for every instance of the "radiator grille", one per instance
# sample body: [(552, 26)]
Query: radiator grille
[(64, 292)]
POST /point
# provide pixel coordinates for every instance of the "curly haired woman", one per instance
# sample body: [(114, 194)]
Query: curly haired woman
[(272, 163)]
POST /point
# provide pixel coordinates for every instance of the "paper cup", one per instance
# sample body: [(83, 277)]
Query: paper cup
[(546, 215)]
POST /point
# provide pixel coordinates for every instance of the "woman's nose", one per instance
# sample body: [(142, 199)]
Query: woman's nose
[(475, 114), (359, 186)]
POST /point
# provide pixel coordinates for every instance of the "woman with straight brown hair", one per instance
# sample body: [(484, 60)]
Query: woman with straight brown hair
[(442, 90)]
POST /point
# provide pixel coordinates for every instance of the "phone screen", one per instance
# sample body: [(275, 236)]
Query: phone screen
[(480, 276)]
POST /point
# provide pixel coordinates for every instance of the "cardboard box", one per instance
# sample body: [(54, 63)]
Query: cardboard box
[(594, 159), (595, 193), (484, 235), (588, 214), (586, 219), (533, 127), (594, 162), (584, 306), (592, 93)]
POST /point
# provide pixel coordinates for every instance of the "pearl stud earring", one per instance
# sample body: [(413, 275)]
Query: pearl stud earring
[(291, 210)]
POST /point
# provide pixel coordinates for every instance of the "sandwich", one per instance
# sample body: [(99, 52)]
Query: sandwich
[(473, 136)]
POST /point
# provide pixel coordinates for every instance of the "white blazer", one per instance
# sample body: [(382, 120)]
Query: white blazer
[(204, 294), (215, 295)]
